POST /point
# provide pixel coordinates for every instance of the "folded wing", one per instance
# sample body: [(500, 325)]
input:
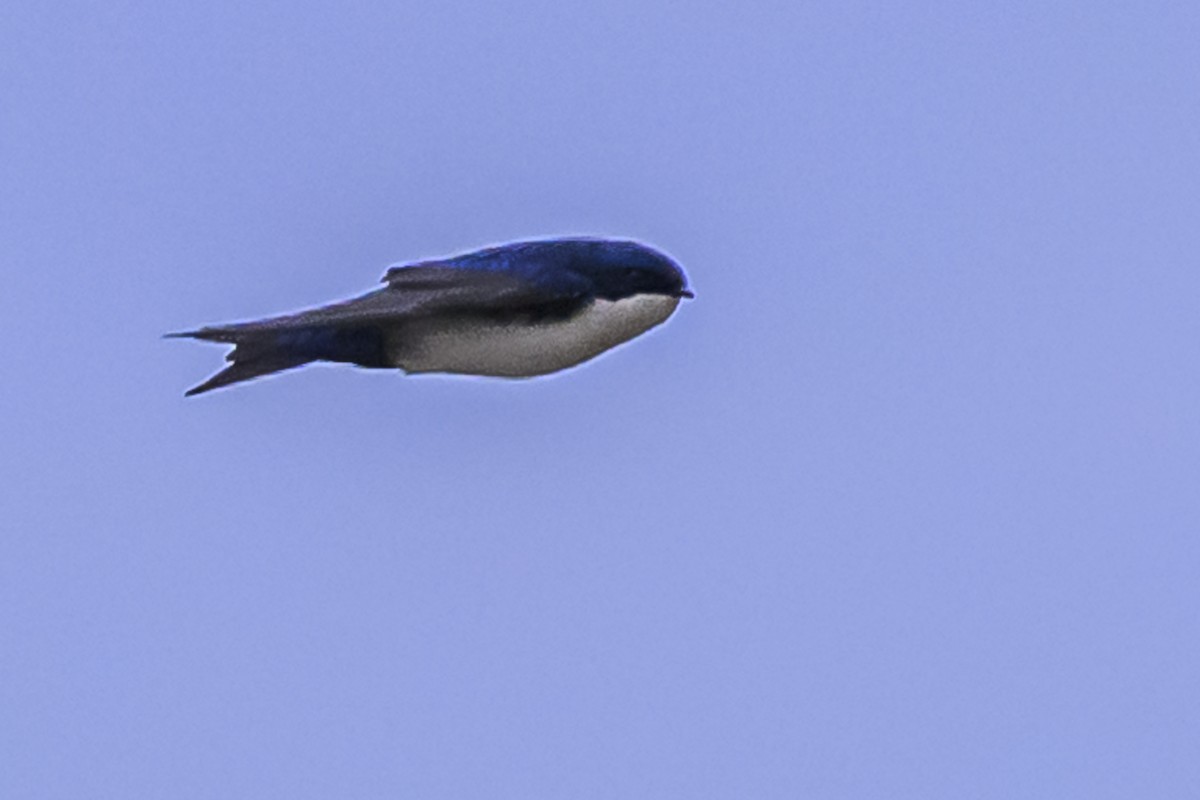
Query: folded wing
[(353, 331)]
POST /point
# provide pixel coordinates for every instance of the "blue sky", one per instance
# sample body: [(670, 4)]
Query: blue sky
[(902, 505)]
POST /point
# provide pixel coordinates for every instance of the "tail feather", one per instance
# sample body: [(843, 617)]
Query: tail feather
[(261, 350), (255, 354), (240, 371), (228, 335)]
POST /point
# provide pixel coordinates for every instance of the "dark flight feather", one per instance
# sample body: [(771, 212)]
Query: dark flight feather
[(351, 331)]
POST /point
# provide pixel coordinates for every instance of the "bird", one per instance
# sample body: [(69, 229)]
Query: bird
[(515, 310)]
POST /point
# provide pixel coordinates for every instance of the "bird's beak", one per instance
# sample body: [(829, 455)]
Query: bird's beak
[(686, 293)]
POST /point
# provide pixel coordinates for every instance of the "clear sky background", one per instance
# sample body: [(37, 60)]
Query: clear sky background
[(904, 504)]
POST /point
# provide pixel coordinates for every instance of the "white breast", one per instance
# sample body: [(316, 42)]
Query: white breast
[(524, 350)]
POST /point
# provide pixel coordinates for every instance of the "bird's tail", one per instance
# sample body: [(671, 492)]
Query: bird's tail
[(255, 353), (261, 348)]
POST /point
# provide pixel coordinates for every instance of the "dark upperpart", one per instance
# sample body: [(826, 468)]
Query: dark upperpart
[(605, 268)]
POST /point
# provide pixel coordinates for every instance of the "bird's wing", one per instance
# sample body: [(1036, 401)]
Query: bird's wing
[(413, 293), (438, 289)]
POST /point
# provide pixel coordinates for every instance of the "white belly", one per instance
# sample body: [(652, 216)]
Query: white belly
[(525, 350)]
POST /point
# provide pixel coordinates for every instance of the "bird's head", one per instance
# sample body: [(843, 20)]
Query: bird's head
[(620, 269)]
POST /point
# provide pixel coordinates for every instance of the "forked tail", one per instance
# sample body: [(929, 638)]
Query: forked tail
[(274, 345), (255, 353)]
